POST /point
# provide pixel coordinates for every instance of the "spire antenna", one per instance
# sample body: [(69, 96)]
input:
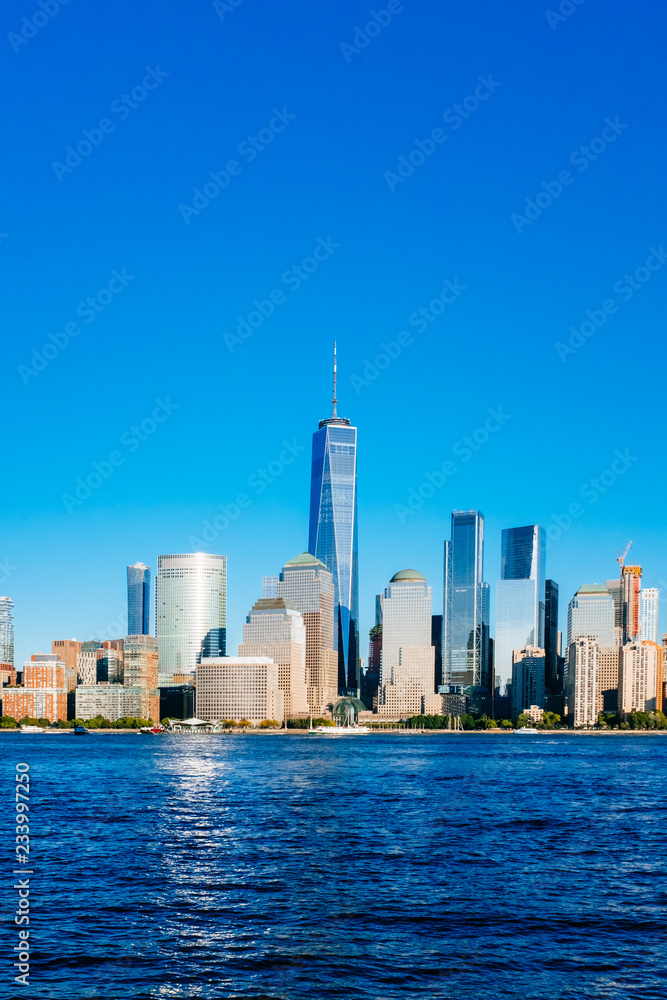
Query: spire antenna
[(335, 377)]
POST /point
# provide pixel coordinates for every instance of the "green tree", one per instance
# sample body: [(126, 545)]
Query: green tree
[(523, 721), (7, 722)]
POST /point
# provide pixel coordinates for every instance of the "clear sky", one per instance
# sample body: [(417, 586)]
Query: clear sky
[(534, 199)]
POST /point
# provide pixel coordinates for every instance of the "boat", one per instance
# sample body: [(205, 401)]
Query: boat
[(334, 731), (31, 729), (152, 730), (531, 731), (80, 731)]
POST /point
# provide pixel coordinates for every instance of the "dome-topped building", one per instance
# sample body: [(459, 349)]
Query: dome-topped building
[(407, 576)]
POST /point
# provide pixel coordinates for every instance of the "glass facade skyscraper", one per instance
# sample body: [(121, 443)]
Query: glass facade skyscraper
[(519, 605), (590, 614), (332, 535), (138, 599), (466, 609), (190, 612), (6, 630)]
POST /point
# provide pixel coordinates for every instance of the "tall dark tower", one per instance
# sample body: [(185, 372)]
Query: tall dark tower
[(332, 535), (551, 635)]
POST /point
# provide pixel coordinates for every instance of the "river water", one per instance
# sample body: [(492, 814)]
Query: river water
[(387, 867)]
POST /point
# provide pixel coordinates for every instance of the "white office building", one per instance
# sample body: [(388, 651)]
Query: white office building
[(638, 675), (239, 687), (581, 681), (648, 614)]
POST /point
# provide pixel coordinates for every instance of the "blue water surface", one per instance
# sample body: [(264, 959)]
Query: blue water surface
[(387, 867)]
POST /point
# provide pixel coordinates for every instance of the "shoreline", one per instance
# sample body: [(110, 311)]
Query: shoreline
[(373, 732)]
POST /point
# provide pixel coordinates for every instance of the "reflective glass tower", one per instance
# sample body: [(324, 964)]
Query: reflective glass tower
[(190, 613), (138, 599), (332, 535), (591, 614), (519, 605), (466, 607)]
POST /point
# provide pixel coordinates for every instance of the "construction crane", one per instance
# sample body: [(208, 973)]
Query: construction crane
[(621, 558)]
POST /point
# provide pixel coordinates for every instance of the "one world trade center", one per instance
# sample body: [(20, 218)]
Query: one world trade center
[(332, 536)]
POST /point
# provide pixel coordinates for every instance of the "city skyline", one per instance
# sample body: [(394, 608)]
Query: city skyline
[(426, 397)]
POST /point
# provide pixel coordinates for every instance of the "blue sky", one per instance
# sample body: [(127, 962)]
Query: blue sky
[(483, 203)]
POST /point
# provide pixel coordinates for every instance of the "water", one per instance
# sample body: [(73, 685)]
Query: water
[(379, 868)]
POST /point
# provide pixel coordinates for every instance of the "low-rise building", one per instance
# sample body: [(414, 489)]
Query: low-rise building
[(117, 701), (239, 687)]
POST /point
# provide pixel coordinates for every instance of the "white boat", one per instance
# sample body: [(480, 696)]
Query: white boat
[(529, 730), (31, 729), (339, 731)]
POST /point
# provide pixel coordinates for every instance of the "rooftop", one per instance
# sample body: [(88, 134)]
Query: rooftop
[(406, 576), (305, 559)]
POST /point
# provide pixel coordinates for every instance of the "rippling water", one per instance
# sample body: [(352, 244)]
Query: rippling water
[(379, 868)]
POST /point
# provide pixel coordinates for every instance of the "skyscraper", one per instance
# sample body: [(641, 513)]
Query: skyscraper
[(615, 588), (307, 585), (190, 613), (407, 673), (591, 613), (551, 650), (275, 628), (519, 605), (138, 599), (638, 677), (528, 675), (6, 630), (465, 624), (631, 585), (581, 681), (648, 614), (332, 535)]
